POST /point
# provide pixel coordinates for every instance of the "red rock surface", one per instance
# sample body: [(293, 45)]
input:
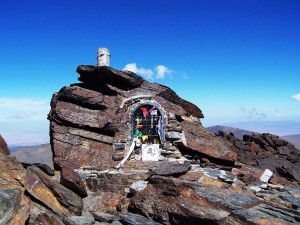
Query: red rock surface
[(3, 146)]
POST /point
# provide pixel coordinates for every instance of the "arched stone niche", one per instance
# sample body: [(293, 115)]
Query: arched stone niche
[(147, 122)]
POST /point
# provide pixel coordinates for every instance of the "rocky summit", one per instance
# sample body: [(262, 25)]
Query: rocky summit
[(127, 151)]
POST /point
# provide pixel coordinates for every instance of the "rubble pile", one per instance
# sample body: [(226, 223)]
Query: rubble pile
[(99, 130), (266, 151)]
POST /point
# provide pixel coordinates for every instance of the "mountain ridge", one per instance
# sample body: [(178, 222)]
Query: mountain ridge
[(239, 133)]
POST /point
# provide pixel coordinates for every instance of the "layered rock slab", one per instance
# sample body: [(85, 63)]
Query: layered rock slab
[(87, 120), (14, 204), (55, 196)]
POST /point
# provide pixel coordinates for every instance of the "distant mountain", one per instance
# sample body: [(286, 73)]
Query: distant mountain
[(280, 128), (33, 154), (295, 139), (238, 133)]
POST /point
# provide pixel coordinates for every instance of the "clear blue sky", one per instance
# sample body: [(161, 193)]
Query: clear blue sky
[(237, 60)]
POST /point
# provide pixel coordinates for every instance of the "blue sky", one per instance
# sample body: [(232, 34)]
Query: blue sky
[(237, 60)]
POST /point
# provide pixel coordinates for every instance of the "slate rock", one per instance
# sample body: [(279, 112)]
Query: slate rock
[(106, 217), (173, 201), (14, 206), (265, 214), (46, 219), (173, 135), (81, 147), (201, 141), (78, 220), (40, 214), (55, 196), (138, 186), (72, 180), (44, 167), (3, 146), (171, 170), (103, 74), (135, 219), (289, 171), (295, 201), (81, 96)]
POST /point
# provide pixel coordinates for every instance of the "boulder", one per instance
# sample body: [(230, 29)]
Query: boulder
[(107, 75), (138, 186), (79, 220), (41, 215), (55, 196), (135, 219), (71, 179), (171, 170), (44, 167), (46, 219), (14, 205), (200, 140)]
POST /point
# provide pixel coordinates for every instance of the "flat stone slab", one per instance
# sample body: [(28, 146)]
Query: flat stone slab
[(135, 219), (171, 170)]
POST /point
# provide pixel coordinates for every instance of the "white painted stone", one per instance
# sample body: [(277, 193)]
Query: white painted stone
[(265, 177), (150, 152)]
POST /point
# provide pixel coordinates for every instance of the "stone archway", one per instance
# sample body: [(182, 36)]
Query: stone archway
[(148, 123)]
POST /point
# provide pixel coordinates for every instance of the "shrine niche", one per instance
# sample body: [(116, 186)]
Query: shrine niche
[(147, 124), (148, 130)]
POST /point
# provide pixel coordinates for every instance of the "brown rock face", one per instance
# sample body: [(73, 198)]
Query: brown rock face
[(171, 201), (14, 205), (265, 151), (3, 146), (93, 123), (55, 196), (116, 117)]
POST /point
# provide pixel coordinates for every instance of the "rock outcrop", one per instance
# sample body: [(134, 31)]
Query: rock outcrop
[(3, 146), (127, 151), (265, 151), (92, 123)]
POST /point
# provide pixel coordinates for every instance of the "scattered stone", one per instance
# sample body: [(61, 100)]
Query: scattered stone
[(106, 217), (173, 135), (78, 220), (135, 219), (55, 196), (44, 167), (265, 214), (265, 177), (138, 186), (72, 180), (14, 206), (45, 219), (295, 201), (171, 170)]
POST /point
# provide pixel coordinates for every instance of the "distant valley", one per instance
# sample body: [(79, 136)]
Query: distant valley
[(33, 154)]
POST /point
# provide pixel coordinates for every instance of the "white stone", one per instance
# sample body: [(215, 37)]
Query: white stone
[(265, 177), (150, 152), (138, 186)]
